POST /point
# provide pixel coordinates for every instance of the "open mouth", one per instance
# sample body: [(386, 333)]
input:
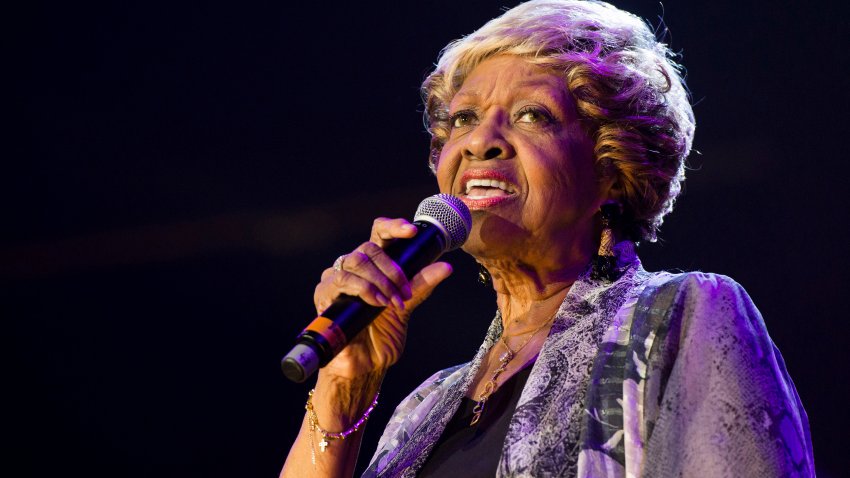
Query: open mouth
[(485, 188)]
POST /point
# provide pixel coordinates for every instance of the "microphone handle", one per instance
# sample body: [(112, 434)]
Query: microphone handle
[(329, 333)]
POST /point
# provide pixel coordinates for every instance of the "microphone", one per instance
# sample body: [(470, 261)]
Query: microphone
[(443, 222)]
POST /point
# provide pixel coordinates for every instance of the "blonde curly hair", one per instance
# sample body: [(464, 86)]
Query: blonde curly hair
[(628, 91)]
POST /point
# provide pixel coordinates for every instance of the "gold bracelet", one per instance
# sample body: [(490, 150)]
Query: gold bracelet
[(326, 435)]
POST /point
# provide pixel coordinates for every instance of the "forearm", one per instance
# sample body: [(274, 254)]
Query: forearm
[(338, 404)]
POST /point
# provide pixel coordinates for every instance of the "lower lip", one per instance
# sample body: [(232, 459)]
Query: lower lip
[(485, 203)]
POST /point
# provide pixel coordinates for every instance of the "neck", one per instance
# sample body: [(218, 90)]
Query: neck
[(529, 296), (531, 281)]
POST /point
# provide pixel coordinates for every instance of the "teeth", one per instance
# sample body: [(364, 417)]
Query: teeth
[(488, 183)]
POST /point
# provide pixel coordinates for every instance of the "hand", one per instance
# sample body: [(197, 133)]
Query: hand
[(369, 273)]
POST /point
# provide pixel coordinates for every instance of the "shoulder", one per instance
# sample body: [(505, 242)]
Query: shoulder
[(701, 299), (728, 402), (714, 317), (695, 319), (697, 283)]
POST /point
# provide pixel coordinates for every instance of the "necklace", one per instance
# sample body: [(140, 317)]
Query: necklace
[(504, 360)]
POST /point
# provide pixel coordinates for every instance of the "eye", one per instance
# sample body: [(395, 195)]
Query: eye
[(534, 114), (462, 118)]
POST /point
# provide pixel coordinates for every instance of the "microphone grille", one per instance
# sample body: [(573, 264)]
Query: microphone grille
[(448, 213)]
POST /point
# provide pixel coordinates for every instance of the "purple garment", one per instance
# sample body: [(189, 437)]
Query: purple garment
[(653, 375)]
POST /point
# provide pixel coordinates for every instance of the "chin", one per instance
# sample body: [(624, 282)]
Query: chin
[(494, 238)]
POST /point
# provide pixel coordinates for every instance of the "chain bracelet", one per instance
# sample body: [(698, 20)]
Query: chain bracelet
[(326, 435)]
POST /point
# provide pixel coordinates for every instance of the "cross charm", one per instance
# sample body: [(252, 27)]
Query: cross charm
[(323, 445)]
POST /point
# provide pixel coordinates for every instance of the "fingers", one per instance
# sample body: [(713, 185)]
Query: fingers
[(336, 283), (386, 230), (348, 283), (369, 260), (426, 280), (369, 273), (367, 265)]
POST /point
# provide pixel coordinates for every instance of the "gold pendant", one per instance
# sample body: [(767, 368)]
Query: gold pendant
[(323, 445), (477, 411)]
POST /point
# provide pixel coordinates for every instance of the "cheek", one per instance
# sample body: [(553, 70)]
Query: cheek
[(447, 168), (578, 163), (564, 175), (581, 149), (552, 168)]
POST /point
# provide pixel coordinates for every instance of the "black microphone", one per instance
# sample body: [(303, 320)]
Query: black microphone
[(443, 222)]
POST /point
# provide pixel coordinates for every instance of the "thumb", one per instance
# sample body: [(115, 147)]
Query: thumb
[(425, 281)]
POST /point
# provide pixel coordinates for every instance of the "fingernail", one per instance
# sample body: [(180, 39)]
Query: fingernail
[(410, 227), (381, 299)]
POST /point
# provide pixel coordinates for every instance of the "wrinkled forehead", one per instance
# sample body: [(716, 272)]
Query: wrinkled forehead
[(505, 76)]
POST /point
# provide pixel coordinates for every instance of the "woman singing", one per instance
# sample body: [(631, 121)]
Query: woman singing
[(564, 127)]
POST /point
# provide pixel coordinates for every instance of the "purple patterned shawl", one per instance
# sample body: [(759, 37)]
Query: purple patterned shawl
[(654, 374)]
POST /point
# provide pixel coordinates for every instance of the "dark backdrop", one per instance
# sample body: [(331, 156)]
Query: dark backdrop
[(176, 177)]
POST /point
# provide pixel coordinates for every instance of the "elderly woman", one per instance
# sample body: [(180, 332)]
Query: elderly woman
[(564, 127)]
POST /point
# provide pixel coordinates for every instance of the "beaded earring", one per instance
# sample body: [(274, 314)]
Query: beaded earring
[(605, 262)]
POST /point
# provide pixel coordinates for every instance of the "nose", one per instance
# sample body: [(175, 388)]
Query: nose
[(487, 141)]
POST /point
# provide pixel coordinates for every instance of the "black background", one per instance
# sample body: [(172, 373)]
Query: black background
[(176, 177)]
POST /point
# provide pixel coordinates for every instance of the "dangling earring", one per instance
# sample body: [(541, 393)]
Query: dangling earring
[(484, 277), (605, 262)]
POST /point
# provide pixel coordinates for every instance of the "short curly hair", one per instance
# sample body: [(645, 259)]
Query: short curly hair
[(628, 90)]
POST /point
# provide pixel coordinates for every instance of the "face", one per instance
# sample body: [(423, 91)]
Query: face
[(519, 158)]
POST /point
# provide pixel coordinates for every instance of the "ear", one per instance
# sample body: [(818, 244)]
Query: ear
[(610, 189)]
